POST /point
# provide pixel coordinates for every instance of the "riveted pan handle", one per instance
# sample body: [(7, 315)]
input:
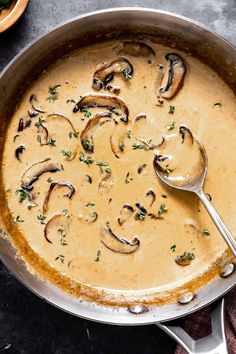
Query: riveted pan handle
[(215, 343)]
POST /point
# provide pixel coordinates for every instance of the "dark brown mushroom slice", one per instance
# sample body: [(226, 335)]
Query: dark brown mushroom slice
[(43, 135), (185, 259), (152, 195), (23, 124), (57, 223), (15, 137), (174, 76), (117, 244), (136, 49), (32, 113), (125, 213), (141, 168), (140, 116), (107, 71), (32, 174), (61, 184), (61, 117), (33, 99), (87, 134), (159, 159), (19, 150), (112, 103), (186, 134)]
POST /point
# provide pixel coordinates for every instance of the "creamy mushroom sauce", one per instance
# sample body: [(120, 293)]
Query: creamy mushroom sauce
[(78, 246)]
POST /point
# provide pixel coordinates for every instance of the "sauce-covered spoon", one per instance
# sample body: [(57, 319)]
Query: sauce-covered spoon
[(195, 185)]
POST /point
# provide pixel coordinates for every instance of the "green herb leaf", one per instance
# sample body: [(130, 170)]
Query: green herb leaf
[(121, 146), (41, 218), (128, 179), (86, 112), (65, 211), (61, 258), (73, 134), (102, 163), (171, 110), (108, 170), (140, 215), (88, 145), (141, 147), (127, 74), (90, 205), (53, 94), (66, 153), (129, 134), (51, 142), (173, 248), (99, 253), (23, 194), (206, 232), (163, 209), (87, 160), (49, 180), (171, 126), (70, 101), (40, 122)]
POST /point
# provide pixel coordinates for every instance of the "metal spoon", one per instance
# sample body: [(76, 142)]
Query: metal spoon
[(196, 186)]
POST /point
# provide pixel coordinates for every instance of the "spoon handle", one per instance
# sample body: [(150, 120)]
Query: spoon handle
[(229, 239)]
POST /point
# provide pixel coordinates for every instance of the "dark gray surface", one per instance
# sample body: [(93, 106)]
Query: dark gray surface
[(31, 325)]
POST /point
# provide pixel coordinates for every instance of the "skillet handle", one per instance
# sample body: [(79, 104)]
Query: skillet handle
[(215, 343)]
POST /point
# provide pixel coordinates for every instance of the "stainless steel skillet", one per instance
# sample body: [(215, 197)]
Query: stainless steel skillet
[(97, 26)]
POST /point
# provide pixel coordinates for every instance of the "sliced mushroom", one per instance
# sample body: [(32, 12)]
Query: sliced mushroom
[(23, 124), (186, 134), (106, 183), (117, 140), (152, 195), (140, 116), (112, 103), (32, 174), (185, 259), (113, 89), (33, 99), (56, 226), (53, 186), (43, 135), (90, 218), (32, 113), (125, 213), (87, 134), (106, 71), (19, 150), (141, 168), (117, 244), (136, 49), (159, 159), (173, 77), (60, 116)]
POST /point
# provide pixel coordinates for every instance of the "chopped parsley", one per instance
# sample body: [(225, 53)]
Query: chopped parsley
[(99, 253), (206, 232), (173, 248), (163, 209), (171, 126), (61, 258), (108, 170), (86, 112), (49, 180), (63, 241), (128, 179), (41, 218), (70, 101), (23, 195), (18, 219), (140, 215), (129, 134), (102, 163), (189, 256), (73, 134), (171, 110), (66, 153), (53, 94), (31, 206)]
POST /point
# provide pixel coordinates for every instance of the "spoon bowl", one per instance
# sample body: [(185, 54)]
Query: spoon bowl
[(195, 185)]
